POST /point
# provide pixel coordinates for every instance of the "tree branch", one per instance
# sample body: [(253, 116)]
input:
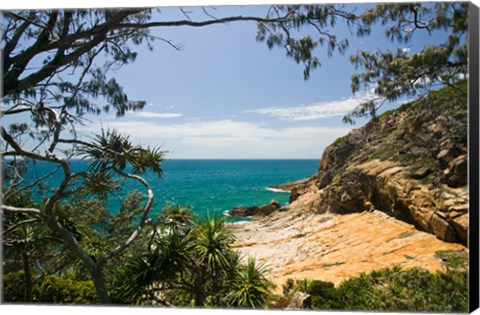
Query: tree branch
[(203, 23), (12, 43), (18, 224), (32, 211), (143, 221), (31, 184), (21, 152)]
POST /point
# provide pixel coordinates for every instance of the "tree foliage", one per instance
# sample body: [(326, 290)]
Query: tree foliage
[(192, 264), (35, 251), (49, 289), (286, 33), (394, 74)]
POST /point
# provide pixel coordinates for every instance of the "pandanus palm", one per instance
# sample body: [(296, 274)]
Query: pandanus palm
[(250, 288), (175, 215), (213, 243), (171, 255), (196, 261)]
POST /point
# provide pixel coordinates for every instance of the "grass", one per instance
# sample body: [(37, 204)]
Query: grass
[(338, 140), (453, 259), (386, 151)]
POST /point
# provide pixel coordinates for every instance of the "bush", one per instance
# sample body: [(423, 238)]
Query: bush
[(49, 289), (392, 289), (14, 287), (414, 289), (324, 295)]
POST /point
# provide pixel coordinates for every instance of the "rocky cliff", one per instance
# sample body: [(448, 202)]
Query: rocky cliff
[(410, 163), (390, 193)]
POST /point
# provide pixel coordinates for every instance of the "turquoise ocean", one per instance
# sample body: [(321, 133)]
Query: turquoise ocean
[(208, 186)]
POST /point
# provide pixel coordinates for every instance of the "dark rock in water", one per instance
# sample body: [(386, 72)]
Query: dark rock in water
[(269, 208), (244, 211), (300, 301), (255, 210)]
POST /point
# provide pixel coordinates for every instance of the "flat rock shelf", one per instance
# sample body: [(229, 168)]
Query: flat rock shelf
[(330, 247)]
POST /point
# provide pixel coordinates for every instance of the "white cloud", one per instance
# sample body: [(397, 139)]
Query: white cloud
[(315, 111), (155, 115), (227, 138), (406, 50)]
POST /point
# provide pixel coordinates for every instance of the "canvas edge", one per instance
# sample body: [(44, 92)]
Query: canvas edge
[(473, 186)]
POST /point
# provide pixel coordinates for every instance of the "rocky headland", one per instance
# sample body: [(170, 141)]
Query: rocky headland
[(393, 192)]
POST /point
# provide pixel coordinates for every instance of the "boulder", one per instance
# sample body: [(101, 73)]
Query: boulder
[(420, 172), (442, 229), (300, 301), (456, 173), (293, 195), (255, 210), (244, 211), (269, 208), (460, 224), (445, 156)]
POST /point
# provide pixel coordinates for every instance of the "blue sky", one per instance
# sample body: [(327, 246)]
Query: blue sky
[(225, 95)]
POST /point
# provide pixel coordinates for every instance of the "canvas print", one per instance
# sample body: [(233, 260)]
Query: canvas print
[(298, 157)]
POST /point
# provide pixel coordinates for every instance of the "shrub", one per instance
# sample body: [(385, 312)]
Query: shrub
[(392, 289), (414, 289), (14, 287), (324, 295), (49, 289)]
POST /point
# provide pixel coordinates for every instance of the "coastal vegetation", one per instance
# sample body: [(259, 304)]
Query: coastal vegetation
[(181, 261), (191, 263), (390, 289), (69, 248)]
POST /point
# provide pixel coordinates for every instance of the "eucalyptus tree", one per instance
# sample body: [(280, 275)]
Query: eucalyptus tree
[(55, 71)]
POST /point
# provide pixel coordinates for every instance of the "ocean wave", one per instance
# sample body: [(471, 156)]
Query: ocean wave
[(277, 190)]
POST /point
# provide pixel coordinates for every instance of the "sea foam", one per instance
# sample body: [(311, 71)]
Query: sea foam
[(277, 190)]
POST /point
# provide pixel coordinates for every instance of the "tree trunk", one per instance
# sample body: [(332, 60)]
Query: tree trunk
[(92, 266), (99, 282), (28, 277), (199, 298)]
